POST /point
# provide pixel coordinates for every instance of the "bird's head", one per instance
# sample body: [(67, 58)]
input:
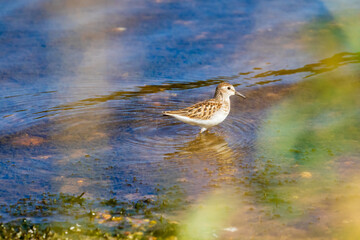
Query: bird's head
[(226, 90)]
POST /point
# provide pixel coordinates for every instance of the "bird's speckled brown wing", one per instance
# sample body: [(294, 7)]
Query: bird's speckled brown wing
[(202, 110)]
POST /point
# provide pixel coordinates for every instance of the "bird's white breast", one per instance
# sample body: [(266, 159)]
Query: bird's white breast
[(217, 118)]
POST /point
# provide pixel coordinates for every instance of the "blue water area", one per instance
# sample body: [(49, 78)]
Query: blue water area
[(83, 85)]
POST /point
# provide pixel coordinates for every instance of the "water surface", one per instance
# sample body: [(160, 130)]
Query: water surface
[(83, 85)]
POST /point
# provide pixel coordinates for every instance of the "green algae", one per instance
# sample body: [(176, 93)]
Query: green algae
[(61, 216)]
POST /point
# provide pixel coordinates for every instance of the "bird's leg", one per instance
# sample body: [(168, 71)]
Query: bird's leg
[(203, 130)]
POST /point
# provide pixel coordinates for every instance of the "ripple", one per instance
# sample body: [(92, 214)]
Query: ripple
[(105, 142)]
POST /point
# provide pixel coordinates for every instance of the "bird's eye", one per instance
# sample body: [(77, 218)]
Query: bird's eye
[(229, 88)]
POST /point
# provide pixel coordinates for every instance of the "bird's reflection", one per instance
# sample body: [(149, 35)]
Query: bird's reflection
[(209, 157), (214, 168), (203, 146)]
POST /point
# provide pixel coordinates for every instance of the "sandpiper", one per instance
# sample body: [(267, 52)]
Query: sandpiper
[(210, 112)]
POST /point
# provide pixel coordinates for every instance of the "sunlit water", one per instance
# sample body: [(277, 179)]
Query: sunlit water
[(83, 85)]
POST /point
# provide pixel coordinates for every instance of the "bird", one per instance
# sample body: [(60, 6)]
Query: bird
[(210, 112)]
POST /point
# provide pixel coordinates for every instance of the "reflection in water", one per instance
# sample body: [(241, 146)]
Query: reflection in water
[(322, 66), (214, 165), (209, 154)]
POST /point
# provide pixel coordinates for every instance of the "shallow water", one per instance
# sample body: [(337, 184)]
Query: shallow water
[(84, 83)]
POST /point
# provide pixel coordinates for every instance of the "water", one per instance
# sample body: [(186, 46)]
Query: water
[(83, 85)]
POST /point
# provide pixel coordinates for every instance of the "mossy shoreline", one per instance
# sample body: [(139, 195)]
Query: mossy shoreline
[(63, 216)]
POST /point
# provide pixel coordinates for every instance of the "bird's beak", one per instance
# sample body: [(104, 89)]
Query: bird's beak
[(239, 94)]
